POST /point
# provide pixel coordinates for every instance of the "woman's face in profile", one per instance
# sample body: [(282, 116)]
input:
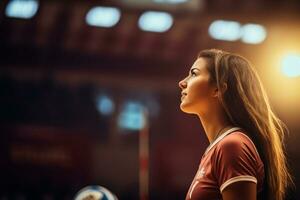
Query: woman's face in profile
[(197, 91)]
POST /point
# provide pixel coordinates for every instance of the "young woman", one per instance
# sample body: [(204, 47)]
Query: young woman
[(245, 158)]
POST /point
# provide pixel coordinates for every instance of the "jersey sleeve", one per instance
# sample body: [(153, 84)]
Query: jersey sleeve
[(235, 160)]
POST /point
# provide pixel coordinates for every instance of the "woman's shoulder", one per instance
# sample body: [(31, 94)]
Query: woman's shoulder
[(236, 138), (237, 142)]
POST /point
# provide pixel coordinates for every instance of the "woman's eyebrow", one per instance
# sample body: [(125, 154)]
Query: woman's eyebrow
[(194, 69)]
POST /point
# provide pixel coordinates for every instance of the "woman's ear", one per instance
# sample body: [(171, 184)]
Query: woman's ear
[(216, 91)]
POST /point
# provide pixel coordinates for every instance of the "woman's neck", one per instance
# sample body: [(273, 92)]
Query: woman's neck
[(214, 125)]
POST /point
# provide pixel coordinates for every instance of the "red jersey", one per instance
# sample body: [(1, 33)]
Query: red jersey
[(232, 157)]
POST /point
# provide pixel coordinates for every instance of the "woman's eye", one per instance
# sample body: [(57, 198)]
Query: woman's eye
[(193, 74)]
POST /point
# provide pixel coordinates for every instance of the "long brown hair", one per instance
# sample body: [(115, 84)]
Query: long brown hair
[(247, 106)]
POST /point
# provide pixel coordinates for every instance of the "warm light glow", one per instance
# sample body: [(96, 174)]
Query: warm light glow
[(21, 9), (225, 30), (155, 21), (103, 16), (291, 65), (253, 33)]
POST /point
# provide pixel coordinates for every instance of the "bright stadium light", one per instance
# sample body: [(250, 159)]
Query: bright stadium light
[(253, 33), (24, 9), (155, 21), (105, 105), (290, 65), (170, 1), (225, 30), (103, 16), (131, 117)]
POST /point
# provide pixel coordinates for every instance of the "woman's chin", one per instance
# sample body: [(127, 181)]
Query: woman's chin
[(187, 109), (184, 108)]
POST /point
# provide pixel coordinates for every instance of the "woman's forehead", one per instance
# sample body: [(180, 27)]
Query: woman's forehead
[(200, 64)]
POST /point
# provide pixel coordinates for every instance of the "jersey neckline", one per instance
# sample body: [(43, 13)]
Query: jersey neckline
[(219, 138)]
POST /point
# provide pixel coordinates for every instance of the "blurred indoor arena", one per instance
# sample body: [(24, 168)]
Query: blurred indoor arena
[(89, 90)]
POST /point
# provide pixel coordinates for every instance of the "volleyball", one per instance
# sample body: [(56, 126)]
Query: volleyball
[(95, 192)]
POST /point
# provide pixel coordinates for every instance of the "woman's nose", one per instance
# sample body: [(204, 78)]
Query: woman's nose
[(182, 84)]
